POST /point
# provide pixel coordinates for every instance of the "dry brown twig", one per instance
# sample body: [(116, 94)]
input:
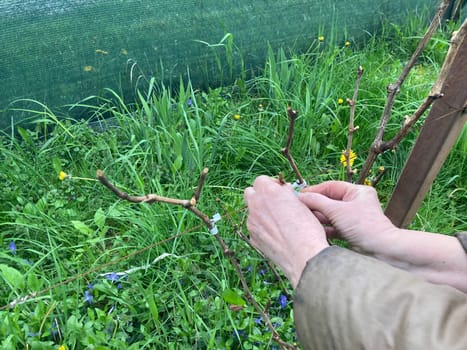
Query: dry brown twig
[(210, 224), (379, 145)]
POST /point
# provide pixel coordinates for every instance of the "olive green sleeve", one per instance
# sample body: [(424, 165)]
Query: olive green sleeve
[(345, 300)]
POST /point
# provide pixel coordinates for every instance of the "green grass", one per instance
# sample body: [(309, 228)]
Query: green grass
[(75, 230)]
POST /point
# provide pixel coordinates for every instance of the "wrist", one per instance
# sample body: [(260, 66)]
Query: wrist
[(385, 245), (301, 260)]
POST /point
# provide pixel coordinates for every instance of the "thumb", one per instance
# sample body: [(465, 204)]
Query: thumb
[(318, 202)]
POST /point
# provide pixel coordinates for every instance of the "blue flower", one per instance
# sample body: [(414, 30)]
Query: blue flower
[(240, 334), (88, 296), (112, 276), (54, 331), (189, 102), (12, 247), (258, 320), (276, 324), (282, 301)]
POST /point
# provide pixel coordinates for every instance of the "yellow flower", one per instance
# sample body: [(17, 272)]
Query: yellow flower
[(352, 157), (260, 107), (62, 175), (347, 43), (381, 169), (88, 68), (62, 347), (236, 116), (367, 182), (321, 38), (340, 101)]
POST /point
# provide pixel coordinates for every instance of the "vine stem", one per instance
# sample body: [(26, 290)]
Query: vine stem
[(293, 114), (352, 127), (379, 146)]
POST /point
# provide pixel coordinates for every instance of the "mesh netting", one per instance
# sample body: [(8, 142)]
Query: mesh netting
[(60, 51)]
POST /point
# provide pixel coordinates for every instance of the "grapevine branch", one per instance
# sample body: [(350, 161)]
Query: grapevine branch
[(191, 206), (379, 146), (293, 114), (152, 198), (352, 102)]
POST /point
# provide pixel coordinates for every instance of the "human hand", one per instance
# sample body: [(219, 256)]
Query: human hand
[(353, 213), (282, 227)]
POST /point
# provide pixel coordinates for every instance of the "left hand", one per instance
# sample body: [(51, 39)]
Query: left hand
[(282, 227)]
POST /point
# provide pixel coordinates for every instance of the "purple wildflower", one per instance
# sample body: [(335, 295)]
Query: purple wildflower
[(276, 324), (282, 301), (54, 329), (239, 334), (12, 247), (112, 276), (88, 296)]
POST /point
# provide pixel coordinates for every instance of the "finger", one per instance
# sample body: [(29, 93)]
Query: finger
[(319, 202), (331, 232), (270, 185), (322, 218), (247, 194), (263, 182), (332, 189)]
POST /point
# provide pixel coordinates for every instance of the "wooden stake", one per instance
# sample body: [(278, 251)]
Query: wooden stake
[(439, 133)]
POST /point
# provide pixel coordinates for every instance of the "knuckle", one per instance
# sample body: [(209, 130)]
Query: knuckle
[(261, 180)]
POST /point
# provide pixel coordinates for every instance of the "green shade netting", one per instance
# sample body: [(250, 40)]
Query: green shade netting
[(61, 51)]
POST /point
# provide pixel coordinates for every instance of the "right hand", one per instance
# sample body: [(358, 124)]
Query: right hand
[(351, 212)]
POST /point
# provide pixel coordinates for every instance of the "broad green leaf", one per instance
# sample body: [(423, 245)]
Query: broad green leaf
[(34, 283), (231, 297), (82, 227), (178, 163), (12, 276), (99, 218), (57, 165)]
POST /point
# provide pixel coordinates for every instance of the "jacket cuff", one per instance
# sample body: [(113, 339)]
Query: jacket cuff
[(462, 237)]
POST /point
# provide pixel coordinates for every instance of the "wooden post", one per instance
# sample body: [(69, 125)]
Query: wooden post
[(439, 133)]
